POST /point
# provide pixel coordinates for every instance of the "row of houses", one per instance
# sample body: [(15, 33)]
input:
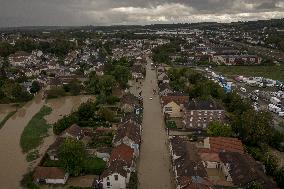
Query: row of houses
[(217, 162)]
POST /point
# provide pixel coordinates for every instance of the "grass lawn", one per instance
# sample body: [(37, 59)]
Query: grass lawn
[(94, 165), (35, 131), (2, 123), (273, 72)]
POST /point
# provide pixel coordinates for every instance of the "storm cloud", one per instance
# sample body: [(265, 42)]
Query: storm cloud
[(109, 12)]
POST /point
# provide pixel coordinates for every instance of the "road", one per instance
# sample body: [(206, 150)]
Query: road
[(154, 163)]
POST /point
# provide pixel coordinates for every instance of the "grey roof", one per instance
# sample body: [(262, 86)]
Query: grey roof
[(203, 105)]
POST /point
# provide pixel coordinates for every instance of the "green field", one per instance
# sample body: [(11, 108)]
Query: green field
[(273, 72), (35, 131)]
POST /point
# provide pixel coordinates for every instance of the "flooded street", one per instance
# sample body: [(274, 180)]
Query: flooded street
[(154, 162), (13, 162)]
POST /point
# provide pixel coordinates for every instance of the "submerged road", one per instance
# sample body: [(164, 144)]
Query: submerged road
[(154, 164)]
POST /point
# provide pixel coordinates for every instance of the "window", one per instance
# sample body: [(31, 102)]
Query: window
[(107, 178), (168, 109), (115, 177), (108, 184)]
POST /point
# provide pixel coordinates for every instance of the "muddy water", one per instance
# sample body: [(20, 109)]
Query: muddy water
[(5, 109), (12, 161), (154, 162)]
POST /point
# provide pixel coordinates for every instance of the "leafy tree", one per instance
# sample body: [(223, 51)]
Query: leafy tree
[(254, 127), (6, 49), (255, 185), (270, 163), (218, 129), (122, 75), (72, 154), (64, 123), (106, 114), (35, 87), (106, 84), (133, 181)]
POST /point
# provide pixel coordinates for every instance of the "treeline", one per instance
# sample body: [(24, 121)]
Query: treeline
[(58, 47), (252, 127)]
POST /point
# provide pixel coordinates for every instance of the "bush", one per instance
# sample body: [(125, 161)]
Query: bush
[(133, 181), (64, 123)]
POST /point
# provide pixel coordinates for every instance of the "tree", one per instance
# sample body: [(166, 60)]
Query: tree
[(218, 129), (255, 185), (270, 163), (35, 87), (254, 127), (72, 154), (122, 75), (106, 84), (106, 114)]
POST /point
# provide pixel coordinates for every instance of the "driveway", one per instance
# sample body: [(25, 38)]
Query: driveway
[(154, 164)]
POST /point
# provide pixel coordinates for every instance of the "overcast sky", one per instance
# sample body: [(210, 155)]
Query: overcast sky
[(109, 12)]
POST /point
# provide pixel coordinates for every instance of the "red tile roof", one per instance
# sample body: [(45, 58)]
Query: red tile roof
[(49, 173), (122, 152), (219, 144)]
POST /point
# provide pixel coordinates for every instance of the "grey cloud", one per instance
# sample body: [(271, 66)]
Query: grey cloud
[(107, 12)]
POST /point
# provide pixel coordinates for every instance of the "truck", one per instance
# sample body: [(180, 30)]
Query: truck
[(275, 101)]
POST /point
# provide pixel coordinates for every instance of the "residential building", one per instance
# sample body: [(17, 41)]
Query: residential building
[(173, 105), (50, 175), (199, 113)]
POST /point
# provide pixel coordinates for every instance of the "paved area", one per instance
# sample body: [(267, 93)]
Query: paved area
[(154, 163)]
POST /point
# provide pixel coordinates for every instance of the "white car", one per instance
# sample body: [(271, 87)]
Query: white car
[(151, 98)]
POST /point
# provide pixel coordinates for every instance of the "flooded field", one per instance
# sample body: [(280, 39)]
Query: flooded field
[(5, 109), (13, 163)]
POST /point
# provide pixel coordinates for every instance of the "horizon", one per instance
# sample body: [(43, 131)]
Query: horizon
[(68, 13)]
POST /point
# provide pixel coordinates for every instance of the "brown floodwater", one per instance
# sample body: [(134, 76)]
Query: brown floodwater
[(5, 109), (12, 161)]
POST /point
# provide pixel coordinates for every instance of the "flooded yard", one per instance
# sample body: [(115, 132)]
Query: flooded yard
[(13, 162)]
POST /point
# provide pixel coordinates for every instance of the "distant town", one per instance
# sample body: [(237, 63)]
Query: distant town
[(162, 106)]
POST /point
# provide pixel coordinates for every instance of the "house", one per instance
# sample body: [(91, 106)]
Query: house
[(188, 168), (163, 76), (129, 103), (174, 105), (129, 133), (120, 166), (165, 89), (236, 59), (50, 175), (242, 170), (199, 113), (223, 144), (74, 131), (115, 176)]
